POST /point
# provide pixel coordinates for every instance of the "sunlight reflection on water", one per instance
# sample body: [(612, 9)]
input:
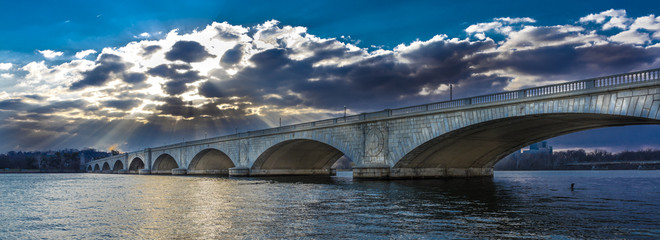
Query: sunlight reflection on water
[(611, 204)]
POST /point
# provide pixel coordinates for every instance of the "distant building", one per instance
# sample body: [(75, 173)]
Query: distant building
[(540, 147)]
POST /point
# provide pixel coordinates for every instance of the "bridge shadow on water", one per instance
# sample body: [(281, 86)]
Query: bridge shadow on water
[(456, 194)]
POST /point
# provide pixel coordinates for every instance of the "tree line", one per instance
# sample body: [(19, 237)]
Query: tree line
[(561, 160), (62, 160)]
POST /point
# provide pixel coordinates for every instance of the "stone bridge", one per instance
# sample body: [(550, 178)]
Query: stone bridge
[(458, 138)]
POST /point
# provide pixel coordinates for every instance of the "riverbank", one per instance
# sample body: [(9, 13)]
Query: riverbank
[(7, 170)]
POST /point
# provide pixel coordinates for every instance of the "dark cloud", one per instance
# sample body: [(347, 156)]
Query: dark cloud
[(122, 104), (148, 50), (14, 104), (175, 88), (134, 77), (187, 51), (569, 62), (232, 56), (171, 71), (226, 36), (177, 80), (213, 89), (286, 100), (537, 61), (271, 59), (328, 49), (274, 73), (373, 82), (532, 36), (616, 57), (34, 96), (177, 107), (107, 64), (60, 106)]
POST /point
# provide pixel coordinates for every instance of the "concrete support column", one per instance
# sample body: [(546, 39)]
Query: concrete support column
[(239, 172)]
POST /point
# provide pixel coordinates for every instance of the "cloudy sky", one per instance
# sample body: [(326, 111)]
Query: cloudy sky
[(87, 74)]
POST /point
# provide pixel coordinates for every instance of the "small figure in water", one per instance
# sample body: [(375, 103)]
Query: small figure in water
[(572, 186)]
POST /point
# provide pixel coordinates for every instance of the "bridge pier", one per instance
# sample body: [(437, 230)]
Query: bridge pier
[(239, 172), (179, 171), (371, 172), (209, 172), (144, 172), (279, 172), (244, 172), (415, 173)]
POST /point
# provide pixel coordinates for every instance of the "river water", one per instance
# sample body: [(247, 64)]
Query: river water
[(531, 204)]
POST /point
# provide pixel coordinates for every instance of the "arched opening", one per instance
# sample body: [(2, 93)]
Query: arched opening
[(97, 168), (480, 146), (118, 166), (210, 161), (106, 167), (135, 165), (164, 164), (297, 157), (89, 168)]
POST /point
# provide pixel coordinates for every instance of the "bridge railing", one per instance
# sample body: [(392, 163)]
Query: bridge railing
[(607, 81)]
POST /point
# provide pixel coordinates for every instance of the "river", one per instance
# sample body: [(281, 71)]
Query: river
[(523, 204)]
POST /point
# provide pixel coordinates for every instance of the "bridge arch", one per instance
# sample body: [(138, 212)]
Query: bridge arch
[(296, 157), (135, 165), (106, 167), (119, 165), (97, 168), (89, 168), (164, 164), (481, 145), (210, 161)]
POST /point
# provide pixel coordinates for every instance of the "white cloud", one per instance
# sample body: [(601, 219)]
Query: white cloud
[(443, 88), (143, 35), (5, 66), (631, 37), (516, 20), (480, 36), (483, 27), (649, 23), (7, 75), (41, 77), (50, 54), (85, 53), (617, 19), (499, 25), (531, 37), (602, 16)]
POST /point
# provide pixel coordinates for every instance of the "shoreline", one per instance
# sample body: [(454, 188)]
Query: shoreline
[(18, 171)]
